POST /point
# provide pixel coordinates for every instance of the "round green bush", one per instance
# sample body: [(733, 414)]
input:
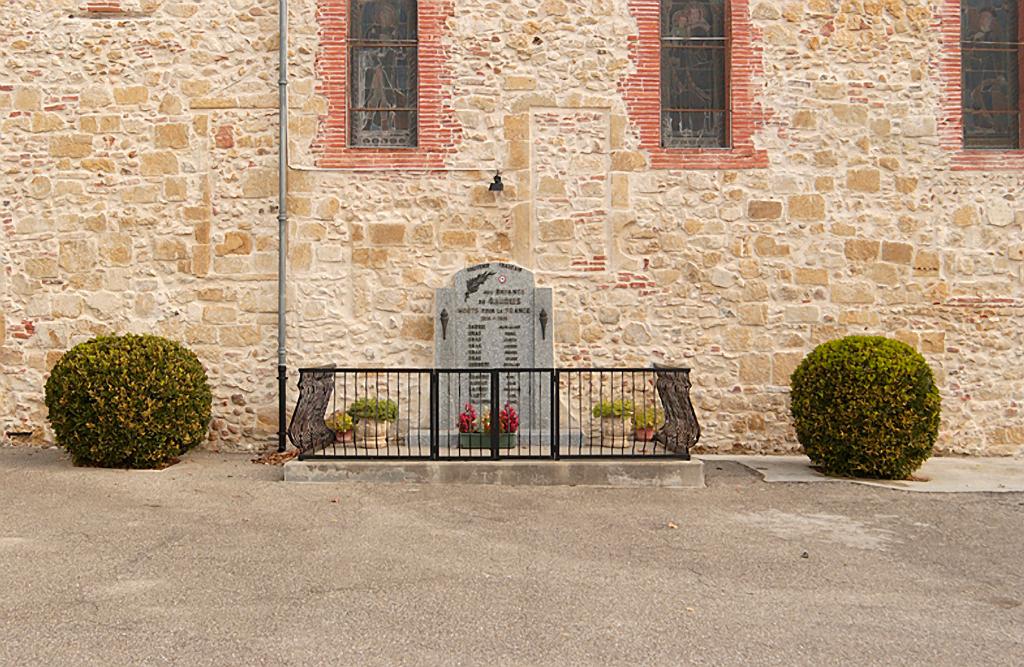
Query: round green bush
[(866, 406), (373, 409), (128, 401)]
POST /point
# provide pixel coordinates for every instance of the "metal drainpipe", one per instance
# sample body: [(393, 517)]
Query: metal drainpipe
[(282, 220)]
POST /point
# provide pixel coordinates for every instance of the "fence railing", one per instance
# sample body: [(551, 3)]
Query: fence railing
[(482, 413)]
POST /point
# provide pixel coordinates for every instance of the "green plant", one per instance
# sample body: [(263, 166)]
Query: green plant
[(339, 422), (128, 401), (865, 406), (648, 418), (618, 409), (373, 409)]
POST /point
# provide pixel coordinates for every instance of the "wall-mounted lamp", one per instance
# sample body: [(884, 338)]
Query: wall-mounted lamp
[(497, 185)]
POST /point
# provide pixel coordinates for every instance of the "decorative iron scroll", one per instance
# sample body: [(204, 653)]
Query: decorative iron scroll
[(680, 430), (307, 429)]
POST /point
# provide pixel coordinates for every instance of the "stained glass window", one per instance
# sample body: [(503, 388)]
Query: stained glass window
[(694, 74), (382, 54), (991, 73)]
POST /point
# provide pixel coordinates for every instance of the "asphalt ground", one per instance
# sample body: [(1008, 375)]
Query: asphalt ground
[(215, 561)]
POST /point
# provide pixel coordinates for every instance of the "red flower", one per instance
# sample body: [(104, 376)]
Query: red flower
[(468, 419)]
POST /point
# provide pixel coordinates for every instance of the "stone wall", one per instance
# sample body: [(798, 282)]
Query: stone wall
[(139, 194)]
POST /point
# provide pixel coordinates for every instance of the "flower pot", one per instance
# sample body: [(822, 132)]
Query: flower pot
[(644, 434), (483, 440), (343, 437), (370, 434), (614, 432)]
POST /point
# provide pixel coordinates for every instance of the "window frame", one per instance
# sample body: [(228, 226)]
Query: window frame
[(1019, 139), (950, 128), (726, 40), (355, 43), (437, 128), (642, 93)]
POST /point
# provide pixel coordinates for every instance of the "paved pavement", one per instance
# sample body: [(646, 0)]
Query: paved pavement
[(937, 475), (216, 562)]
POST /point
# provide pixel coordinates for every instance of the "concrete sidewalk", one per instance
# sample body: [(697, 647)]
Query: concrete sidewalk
[(215, 561), (937, 475)]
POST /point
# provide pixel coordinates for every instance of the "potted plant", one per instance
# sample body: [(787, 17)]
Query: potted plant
[(475, 431), (616, 422), (341, 423), (645, 421), (372, 417)]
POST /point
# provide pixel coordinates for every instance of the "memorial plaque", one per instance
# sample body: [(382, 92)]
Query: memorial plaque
[(494, 317)]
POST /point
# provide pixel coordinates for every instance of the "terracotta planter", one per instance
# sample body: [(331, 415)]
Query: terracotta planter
[(344, 437), (644, 434)]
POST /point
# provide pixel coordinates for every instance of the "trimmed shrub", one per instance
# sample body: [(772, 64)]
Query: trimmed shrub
[(616, 409), (128, 401), (373, 409), (866, 406)]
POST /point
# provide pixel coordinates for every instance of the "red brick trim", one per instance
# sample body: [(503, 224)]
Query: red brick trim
[(642, 91), (438, 129), (104, 6), (951, 128)]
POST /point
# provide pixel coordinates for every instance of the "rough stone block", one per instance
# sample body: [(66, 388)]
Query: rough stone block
[(965, 216), (116, 248), (805, 276), (926, 262), (169, 249), (516, 82), (628, 161), (804, 119), (847, 293), (158, 163), (171, 135), (755, 369), (807, 208), (864, 180), (850, 114), (783, 365), (27, 98), (259, 182), (458, 239), (95, 97), (238, 335), (386, 233), (764, 210), (418, 327), (898, 253), (131, 95), (77, 255), (71, 145), (802, 314), (861, 250), (99, 164), (906, 184), (559, 229), (219, 314), (235, 243), (41, 267), (753, 314)]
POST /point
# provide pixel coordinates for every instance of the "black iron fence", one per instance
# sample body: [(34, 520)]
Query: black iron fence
[(473, 413)]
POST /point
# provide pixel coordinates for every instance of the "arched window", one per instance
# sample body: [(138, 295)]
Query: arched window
[(382, 96), (695, 74), (990, 88)]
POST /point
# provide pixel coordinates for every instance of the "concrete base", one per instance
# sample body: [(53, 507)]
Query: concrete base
[(588, 472)]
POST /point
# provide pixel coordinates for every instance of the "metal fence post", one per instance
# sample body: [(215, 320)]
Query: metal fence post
[(556, 427), (495, 417), (435, 419)]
